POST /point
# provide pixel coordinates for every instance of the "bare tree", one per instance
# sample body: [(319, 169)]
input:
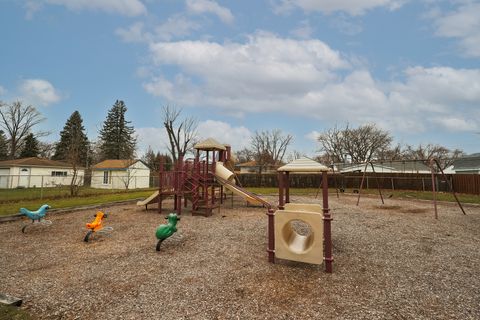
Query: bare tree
[(332, 143), (392, 154), (182, 134), (359, 144), (445, 156), (294, 155), (244, 155), (47, 149), (269, 147), (18, 121)]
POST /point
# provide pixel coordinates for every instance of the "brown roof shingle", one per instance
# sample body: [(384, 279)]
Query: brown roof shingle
[(34, 162), (114, 164)]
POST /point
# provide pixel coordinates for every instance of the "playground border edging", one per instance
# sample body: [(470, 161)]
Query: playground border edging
[(18, 216)]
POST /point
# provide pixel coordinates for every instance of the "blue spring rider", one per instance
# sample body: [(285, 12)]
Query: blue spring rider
[(36, 216)]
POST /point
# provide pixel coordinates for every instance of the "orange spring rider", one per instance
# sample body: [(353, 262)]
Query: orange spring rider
[(97, 225)]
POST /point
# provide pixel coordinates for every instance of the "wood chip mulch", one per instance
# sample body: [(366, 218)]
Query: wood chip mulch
[(392, 261)]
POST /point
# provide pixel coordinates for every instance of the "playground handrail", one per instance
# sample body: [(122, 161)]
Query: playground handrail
[(250, 194)]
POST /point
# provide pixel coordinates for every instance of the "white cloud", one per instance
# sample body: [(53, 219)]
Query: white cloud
[(209, 6), (156, 138), (223, 132), (237, 137), (306, 78), (245, 77), (303, 31), (177, 26), (462, 24), (134, 33), (123, 7), (38, 92), (3, 91), (352, 7)]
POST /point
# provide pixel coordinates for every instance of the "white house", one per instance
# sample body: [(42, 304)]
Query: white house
[(468, 164), (120, 174), (37, 172), (387, 167)]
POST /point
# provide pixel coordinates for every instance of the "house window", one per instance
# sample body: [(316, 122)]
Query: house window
[(59, 173), (105, 177)]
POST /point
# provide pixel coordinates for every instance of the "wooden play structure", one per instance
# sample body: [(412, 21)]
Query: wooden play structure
[(202, 181)]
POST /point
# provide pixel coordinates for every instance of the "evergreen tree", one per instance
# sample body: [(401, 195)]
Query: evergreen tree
[(3, 146), (31, 147), (73, 146), (117, 136)]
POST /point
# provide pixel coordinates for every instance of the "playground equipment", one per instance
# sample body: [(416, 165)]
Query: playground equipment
[(37, 217), (96, 226), (202, 182), (165, 231), (284, 241), (434, 168)]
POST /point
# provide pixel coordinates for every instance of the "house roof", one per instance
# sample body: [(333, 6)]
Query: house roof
[(399, 166), (114, 164), (34, 162), (210, 144), (467, 163), (303, 164), (252, 163)]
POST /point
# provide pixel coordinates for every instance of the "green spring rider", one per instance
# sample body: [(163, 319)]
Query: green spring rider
[(165, 231)]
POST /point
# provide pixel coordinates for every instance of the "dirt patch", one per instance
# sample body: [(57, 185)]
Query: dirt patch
[(389, 264)]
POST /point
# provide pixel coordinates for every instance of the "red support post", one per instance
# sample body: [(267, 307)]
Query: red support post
[(434, 189), (281, 203), (271, 235), (327, 231), (180, 185), (287, 187), (160, 185)]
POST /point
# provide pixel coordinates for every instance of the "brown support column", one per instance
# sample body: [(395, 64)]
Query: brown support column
[(378, 183), (434, 189), (213, 171), (287, 187), (180, 184), (450, 185), (327, 231), (205, 179), (281, 203), (361, 183), (271, 235), (160, 185)]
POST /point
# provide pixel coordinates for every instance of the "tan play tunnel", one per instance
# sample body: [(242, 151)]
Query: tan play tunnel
[(291, 245)]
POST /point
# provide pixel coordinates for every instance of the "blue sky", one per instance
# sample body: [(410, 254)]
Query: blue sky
[(410, 67)]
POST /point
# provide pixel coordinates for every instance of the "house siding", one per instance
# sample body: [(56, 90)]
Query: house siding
[(31, 177), (136, 176)]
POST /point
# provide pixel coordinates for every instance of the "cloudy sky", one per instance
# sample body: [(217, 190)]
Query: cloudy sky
[(303, 66)]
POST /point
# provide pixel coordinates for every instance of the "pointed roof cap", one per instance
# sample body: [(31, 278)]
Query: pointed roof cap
[(303, 164), (209, 144)]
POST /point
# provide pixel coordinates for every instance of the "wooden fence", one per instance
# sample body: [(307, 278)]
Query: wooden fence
[(462, 183)]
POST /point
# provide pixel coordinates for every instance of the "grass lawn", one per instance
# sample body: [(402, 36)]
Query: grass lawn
[(58, 200), (399, 194), (12, 200), (13, 313)]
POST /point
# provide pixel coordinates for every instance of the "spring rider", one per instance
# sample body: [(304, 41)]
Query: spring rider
[(164, 231), (36, 216), (96, 226)]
